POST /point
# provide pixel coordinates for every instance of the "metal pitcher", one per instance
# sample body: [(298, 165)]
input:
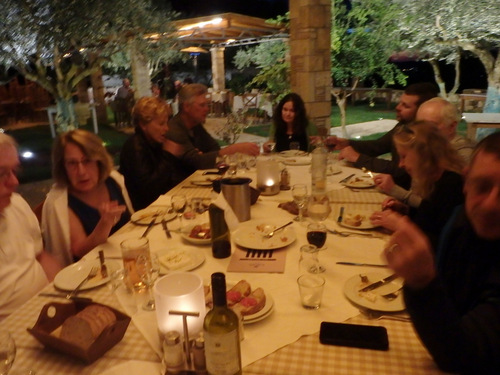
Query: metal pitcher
[(237, 194)]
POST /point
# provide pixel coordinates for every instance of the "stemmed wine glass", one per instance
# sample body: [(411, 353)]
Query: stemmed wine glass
[(299, 194), (179, 203), (7, 352), (309, 259), (148, 268)]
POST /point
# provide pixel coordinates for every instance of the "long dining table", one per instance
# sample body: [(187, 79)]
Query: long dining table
[(286, 341)]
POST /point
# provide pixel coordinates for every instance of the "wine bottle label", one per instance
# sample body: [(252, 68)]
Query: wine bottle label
[(222, 353)]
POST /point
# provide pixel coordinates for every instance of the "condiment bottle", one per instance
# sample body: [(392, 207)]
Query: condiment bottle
[(199, 353), (173, 352), (285, 180), (221, 331)]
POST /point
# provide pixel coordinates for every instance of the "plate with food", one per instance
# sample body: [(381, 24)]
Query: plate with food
[(360, 182), (357, 220), (69, 277), (198, 234), (374, 299), (254, 304), (144, 217), (180, 259), (251, 235), (292, 153)]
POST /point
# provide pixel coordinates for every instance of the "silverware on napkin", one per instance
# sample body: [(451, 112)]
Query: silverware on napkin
[(379, 283)]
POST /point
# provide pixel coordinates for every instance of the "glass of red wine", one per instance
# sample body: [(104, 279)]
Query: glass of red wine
[(316, 235)]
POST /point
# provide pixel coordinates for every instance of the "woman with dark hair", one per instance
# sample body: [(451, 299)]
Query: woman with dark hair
[(88, 201), (290, 124)]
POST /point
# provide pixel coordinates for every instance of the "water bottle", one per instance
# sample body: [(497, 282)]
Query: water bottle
[(319, 161)]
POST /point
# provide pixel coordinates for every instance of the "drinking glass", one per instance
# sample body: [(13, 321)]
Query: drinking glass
[(309, 259), (316, 235), (179, 203), (132, 249), (299, 194), (7, 352), (311, 290), (221, 164), (318, 207), (148, 267)]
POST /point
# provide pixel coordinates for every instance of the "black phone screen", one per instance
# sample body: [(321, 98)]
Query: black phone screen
[(354, 335)]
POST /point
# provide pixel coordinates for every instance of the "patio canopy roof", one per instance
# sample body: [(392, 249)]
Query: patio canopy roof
[(227, 29)]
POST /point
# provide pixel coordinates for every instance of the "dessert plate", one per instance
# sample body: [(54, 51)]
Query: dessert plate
[(349, 218), (69, 277), (250, 235), (180, 259), (196, 241)]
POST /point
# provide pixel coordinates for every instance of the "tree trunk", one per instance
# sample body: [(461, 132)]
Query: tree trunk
[(341, 102), (65, 116), (438, 78), (140, 73), (98, 92)]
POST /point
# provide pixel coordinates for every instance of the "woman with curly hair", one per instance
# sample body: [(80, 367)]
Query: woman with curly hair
[(290, 124), (436, 172)]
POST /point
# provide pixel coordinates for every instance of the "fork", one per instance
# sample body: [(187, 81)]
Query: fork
[(91, 275), (273, 232), (347, 234)]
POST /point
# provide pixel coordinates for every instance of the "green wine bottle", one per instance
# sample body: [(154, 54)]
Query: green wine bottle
[(221, 241), (220, 328)]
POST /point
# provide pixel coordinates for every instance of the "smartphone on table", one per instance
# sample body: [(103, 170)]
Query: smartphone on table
[(354, 335)]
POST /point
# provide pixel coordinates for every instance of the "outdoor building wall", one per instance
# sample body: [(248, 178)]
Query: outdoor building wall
[(310, 56)]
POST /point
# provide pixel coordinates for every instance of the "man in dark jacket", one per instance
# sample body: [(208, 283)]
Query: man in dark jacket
[(366, 153), (453, 296)]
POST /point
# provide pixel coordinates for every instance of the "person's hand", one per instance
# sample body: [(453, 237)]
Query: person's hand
[(111, 212), (388, 219), (248, 148), (268, 146), (393, 204), (384, 182), (349, 154), (339, 143), (409, 254)]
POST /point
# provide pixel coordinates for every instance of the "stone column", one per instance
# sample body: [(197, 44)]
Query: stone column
[(218, 72), (310, 56)]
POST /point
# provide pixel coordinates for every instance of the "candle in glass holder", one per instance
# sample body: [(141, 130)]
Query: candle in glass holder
[(268, 176)]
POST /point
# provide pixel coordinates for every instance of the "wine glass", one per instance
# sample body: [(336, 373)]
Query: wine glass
[(319, 208), (179, 203), (299, 194), (221, 164), (148, 268), (7, 352), (316, 235)]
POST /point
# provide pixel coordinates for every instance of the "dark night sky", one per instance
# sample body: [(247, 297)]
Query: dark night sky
[(256, 8)]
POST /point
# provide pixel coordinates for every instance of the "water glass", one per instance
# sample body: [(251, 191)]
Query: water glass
[(148, 268), (300, 197), (311, 290), (309, 259)]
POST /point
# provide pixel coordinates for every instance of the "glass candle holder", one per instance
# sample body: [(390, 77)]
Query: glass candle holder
[(268, 176)]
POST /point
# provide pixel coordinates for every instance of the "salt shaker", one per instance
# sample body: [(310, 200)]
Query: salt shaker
[(173, 352), (199, 353)]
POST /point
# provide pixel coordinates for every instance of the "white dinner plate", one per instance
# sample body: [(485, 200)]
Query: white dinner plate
[(365, 223), (250, 235), (196, 241), (203, 182), (69, 277), (299, 160), (180, 259), (292, 153), (333, 169), (360, 182), (373, 300), (144, 217)]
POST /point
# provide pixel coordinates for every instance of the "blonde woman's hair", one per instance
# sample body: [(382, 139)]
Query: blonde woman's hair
[(434, 153), (91, 146), (147, 108)]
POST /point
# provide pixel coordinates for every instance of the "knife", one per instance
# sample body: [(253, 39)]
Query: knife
[(104, 269), (63, 296), (165, 228), (150, 226), (362, 264), (341, 215), (347, 178), (378, 284)]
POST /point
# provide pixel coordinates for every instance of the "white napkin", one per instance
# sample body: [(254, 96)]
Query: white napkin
[(231, 218)]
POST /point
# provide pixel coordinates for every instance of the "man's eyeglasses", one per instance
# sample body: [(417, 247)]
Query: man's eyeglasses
[(74, 164)]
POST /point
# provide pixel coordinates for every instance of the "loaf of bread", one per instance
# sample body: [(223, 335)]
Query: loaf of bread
[(84, 327), (251, 304), (237, 292)]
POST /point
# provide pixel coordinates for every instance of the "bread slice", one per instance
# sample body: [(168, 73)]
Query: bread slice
[(251, 304), (237, 292), (84, 327)]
